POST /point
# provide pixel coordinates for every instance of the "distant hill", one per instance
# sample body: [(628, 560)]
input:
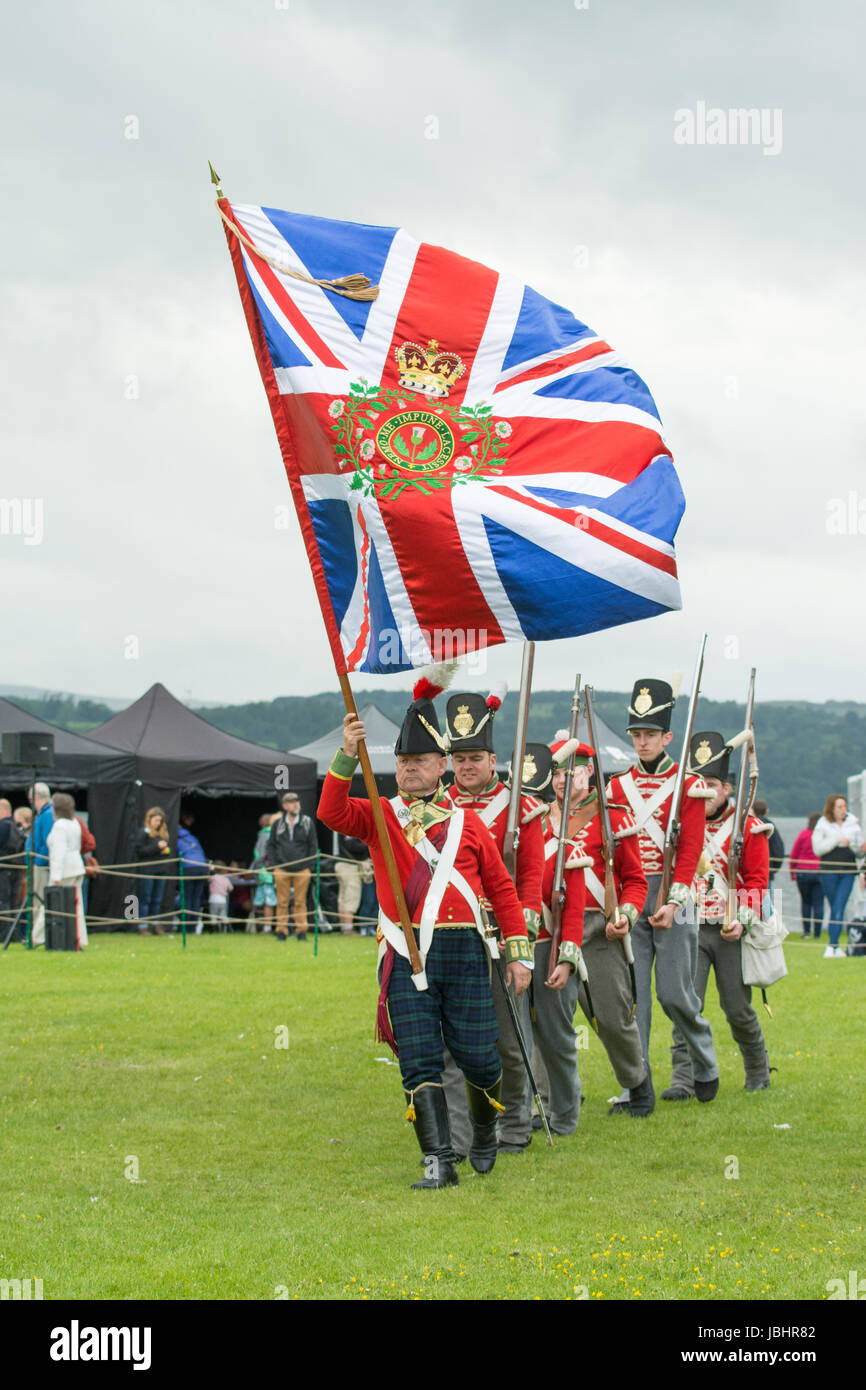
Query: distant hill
[(805, 751)]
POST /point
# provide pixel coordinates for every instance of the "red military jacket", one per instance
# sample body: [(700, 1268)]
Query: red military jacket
[(629, 878), (477, 860), (491, 807), (648, 796), (573, 908), (753, 876)]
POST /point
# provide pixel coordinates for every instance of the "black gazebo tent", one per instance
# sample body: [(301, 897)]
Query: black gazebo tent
[(176, 755), (78, 762)]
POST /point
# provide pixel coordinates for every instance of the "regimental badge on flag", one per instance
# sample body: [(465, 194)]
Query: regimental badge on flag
[(470, 463)]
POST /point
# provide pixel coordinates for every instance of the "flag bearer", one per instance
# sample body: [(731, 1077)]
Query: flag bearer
[(446, 861)]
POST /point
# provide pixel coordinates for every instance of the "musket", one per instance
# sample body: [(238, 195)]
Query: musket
[(518, 1033), (741, 808), (496, 958), (672, 833), (557, 896), (608, 843), (512, 828)]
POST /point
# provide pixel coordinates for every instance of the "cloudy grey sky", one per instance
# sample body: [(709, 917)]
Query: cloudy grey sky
[(730, 278)]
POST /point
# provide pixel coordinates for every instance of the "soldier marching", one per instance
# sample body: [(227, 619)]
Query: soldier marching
[(608, 884)]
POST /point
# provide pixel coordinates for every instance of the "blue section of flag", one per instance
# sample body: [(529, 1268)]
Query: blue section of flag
[(284, 350), (335, 538), (615, 385), (552, 597), (541, 327), (386, 652), (332, 249), (653, 502)]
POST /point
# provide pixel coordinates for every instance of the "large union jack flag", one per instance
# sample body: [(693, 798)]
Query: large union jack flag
[(470, 463)]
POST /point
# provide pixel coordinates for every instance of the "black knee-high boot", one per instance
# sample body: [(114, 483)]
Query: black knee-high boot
[(428, 1109), (484, 1107)]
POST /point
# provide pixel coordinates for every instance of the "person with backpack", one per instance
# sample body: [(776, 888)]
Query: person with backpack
[(11, 841), (290, 855)]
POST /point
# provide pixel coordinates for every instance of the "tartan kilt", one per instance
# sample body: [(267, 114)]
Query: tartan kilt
[(457, 1006)]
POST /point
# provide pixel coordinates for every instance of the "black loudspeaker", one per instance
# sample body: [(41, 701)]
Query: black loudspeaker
[(60, 917), (29, 749)]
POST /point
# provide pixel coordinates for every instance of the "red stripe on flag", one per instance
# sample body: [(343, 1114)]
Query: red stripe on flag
[(439, 580), (302, 325), (591, 526), (358, 650), (554, 365), (448, 298)]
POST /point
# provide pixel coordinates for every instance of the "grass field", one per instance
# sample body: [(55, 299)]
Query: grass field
[(158, 1142)]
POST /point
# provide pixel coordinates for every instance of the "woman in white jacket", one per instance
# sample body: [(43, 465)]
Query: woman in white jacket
[(65, 864), (835, 840)]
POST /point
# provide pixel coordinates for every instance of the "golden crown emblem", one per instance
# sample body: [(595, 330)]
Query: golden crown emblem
[(530, 768), (703, 753), (427, 370), (644, 701)]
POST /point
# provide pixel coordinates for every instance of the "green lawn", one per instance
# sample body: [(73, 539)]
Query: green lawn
[(266, 1171)]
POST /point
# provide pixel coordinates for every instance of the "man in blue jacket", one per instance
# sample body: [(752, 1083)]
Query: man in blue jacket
[(39, 797)]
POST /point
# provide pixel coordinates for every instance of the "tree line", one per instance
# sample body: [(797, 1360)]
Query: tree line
[(805, 751)]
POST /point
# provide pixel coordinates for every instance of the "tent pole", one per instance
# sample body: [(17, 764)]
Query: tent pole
[(182, 895), (316, 896)]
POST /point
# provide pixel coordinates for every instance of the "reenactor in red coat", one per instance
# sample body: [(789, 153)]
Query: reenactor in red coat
[(720, 944), (469, 724), (606, 964), (667, 937), (446, 861)]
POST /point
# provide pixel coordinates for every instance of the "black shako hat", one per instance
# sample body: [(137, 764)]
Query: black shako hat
[(710, 752), (538, 769), (420, 732), (709, 755), (469, 721), (652, 703)]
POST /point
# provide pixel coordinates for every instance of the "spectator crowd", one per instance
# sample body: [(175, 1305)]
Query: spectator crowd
[(287, 883)]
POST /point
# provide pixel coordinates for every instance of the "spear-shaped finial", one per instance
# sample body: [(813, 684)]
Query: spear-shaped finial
[(215, 179)]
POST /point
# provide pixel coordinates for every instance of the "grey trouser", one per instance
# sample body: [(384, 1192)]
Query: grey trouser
[(736, 1001), (556, 1041), (610, 987), (514, 1120), (40, 883), (675, 953)]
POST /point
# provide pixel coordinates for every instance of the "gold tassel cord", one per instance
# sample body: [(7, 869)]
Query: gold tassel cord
[(410, 1096), (353, 286)]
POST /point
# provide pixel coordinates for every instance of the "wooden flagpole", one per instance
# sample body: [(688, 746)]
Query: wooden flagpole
[(287, 443), (384, 838)]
